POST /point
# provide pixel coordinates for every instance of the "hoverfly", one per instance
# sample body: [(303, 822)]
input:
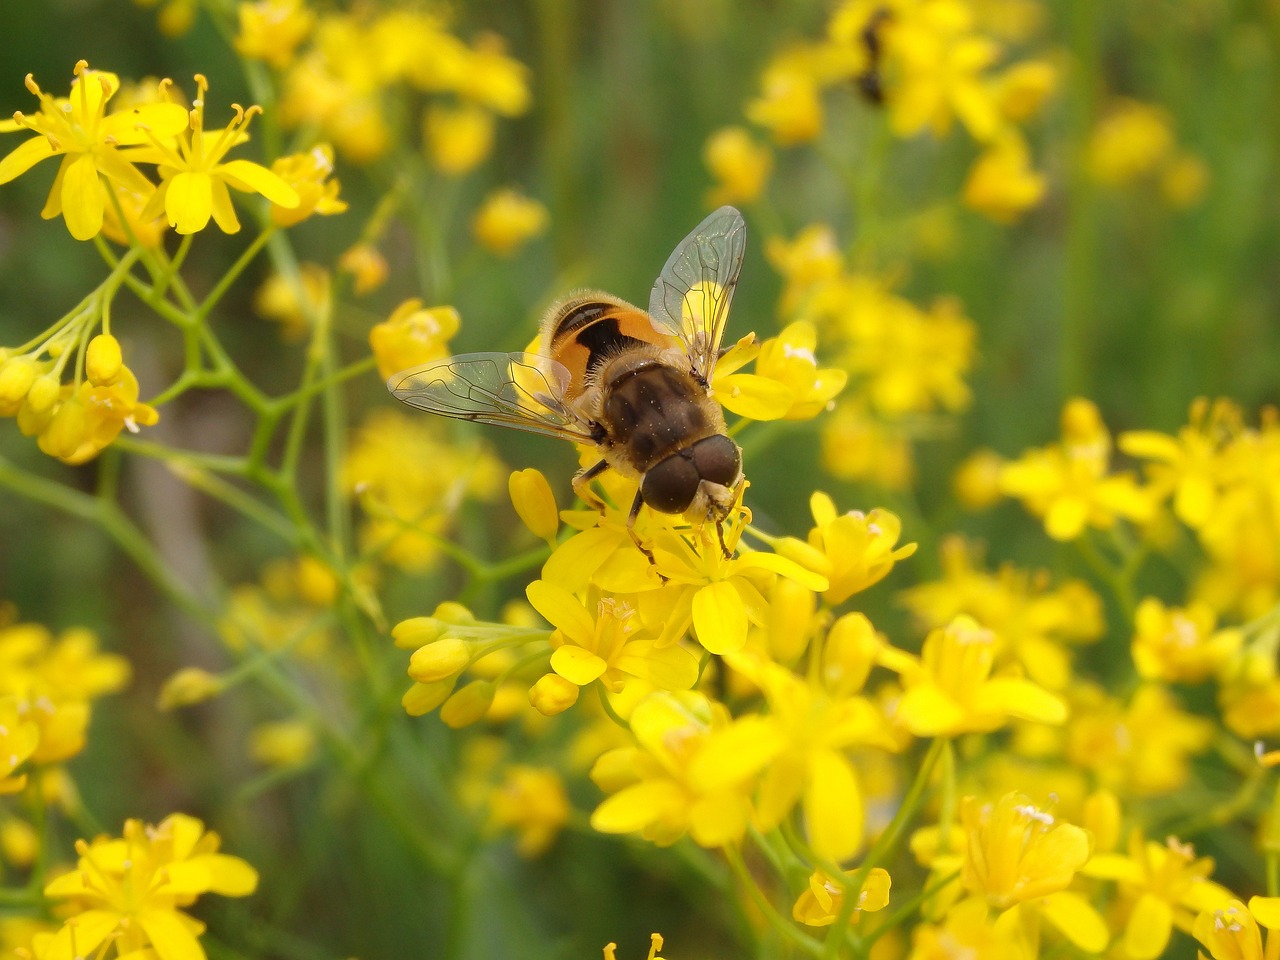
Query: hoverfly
[(635, 385)]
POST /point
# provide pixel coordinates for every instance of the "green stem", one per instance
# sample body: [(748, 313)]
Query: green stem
[(783, 925), (222, 286)]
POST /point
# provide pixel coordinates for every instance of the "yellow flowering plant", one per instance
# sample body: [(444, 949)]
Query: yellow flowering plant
[(979, 657)]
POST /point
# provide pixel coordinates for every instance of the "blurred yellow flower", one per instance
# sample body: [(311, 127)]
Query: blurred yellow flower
[(18, 739), (1180, 645), (1162, 885), (308, 174), (692, 770), (283, 745), (951, 690), (1002, 185), (457, 138), (532, 801), (789, 106), (822, 900), (294, 303), (129, 891), (507, 220), (411, 336), (271, 30), (1070, 485), (366, 265), (860, 547), (739, 165), (1130, 141)]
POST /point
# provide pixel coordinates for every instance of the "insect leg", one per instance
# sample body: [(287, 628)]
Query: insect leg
[(635, 537), (582, 485), (724, 547)]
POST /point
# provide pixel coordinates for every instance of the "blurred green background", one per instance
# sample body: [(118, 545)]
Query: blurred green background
[(1104, 293)]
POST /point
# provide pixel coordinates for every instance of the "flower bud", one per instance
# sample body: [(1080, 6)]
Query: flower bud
[(188, 686), (535, 503), (446, 657), (468, 705), (103, 360), (66, 430), (16, 377), (417, 632), (44, 393), (553, 694), (422, 698)]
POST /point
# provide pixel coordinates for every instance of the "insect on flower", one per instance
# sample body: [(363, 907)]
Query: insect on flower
[(635, 385)]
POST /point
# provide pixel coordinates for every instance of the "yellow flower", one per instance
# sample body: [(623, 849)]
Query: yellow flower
[(1002, 185), (283, 745), (950, 690), (79, 130), (54, 682), (270, 30), (788, 107), (1180, 645), (857, 445), (535, 503), (1017, 854), (1069, 484), (195, 178), (1194, 466), (507, 220), (860, 547), (492, 79), (967, 931), (294, 303), (807, 263), (129, 891), (821, 902), (1142, 748), (692, 770), (533, 802), (1130, 141), (457, 138), (412, 335), (940, 60), (977, 480), (367, 266), (608, 643), (1163, 885), (1033, 623), (308, 175), (817, 723), (723, 594), (1230, 931), (18, 739), (739, 164), (789, 359)]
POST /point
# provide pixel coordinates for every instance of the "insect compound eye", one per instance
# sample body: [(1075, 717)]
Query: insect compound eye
[(671, 485), (717, 459)]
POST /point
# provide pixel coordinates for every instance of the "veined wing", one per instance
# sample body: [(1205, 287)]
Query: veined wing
[(519, 390), (691, 296)]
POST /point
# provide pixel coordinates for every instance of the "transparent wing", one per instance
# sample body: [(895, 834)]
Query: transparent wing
[(691, 296), (519, 390)]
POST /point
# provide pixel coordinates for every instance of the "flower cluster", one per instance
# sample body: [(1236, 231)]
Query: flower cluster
[(929, 64), (903, 363)]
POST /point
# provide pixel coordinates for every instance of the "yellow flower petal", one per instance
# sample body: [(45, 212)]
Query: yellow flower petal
[(634, 807), (170, 937), (23, 157), (577, 665), (720, 618), (1147, 932), (253, 177), (188, 201), (833, 807), (753, 397), (1076, 919), (1266, 910), (561, 609), (82, 198), (224, 212)]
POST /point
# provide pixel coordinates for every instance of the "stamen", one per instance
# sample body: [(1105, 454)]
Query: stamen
[(1035, 813)]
